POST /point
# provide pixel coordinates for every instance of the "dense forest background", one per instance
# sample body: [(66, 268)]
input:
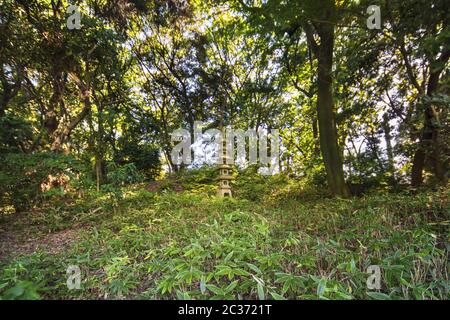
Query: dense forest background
[(86, 117)]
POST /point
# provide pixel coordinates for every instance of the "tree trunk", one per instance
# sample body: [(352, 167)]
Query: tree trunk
[(327, 125), (316, 138), (99, 170), (50, 115), (323, 26), (389, 150), (429, 147), (429, 144), (63, 132), (420, 154), (100, 148), (3, 104)]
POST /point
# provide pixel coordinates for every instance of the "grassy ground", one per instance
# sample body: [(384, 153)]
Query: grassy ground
[(187, 245)]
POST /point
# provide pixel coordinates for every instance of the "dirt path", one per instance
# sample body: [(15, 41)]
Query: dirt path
[(16, 241)]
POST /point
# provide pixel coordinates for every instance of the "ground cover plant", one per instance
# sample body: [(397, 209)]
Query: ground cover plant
[(190, 245)]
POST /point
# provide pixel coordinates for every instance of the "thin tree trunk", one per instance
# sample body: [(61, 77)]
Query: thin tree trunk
[(389, 150), (328, 135), (326, 117), (323, 51), (316, 137), (100, 149), (429, 144)]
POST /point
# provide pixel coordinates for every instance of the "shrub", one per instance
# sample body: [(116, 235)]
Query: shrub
[(119, 176), (15, 134), (144, 157), (22, 175), (251, 185)]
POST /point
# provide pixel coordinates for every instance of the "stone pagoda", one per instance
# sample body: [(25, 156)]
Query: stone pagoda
[(225, 172)]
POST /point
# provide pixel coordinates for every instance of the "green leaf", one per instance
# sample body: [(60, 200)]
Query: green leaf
[(261, 294), (202, 285), (228, 257), (15, 292), (231, 286), (378, 296), (254, 268), (321, 287), (277, 296), (215, 289)]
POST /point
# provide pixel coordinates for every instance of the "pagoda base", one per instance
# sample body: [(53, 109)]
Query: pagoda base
[(224, 192)]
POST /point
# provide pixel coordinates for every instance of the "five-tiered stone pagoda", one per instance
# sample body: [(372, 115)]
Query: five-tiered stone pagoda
[(225, 172)]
